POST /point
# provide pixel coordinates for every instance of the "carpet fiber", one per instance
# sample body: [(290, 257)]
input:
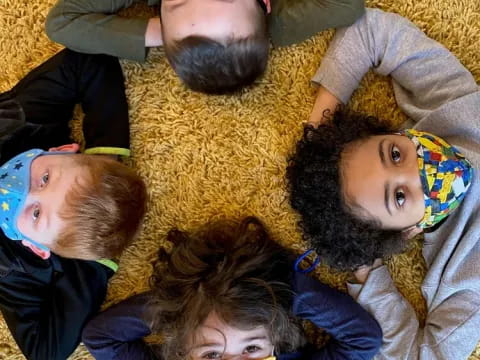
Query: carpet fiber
[(206, 157)]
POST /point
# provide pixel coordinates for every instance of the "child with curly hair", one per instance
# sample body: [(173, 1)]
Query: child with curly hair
[(227, 292), (363, 188)]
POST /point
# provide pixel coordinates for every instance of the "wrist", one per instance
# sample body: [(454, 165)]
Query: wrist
[(153, 34)]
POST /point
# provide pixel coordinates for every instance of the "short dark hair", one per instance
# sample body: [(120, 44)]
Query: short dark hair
[(216, 67), (342, 237), (233, 269)]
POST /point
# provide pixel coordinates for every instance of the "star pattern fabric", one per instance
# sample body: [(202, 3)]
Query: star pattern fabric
[(14, 188)]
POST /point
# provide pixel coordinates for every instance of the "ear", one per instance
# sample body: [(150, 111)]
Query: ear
[(412, 231), (44, 254), (69, 147), (269, 7)]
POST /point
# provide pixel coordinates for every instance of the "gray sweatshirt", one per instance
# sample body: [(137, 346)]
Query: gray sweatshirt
[(434, 89)]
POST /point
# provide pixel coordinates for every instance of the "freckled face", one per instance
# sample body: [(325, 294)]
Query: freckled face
[(381, 176), (215, 19)]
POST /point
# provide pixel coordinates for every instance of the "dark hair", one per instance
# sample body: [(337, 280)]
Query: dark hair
[(220, 67), (342, 237), (234, 270)]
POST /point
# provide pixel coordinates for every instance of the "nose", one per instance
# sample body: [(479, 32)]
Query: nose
[(407, 174)]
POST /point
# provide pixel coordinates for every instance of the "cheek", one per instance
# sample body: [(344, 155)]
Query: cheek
[(419, 204), (23, 224)]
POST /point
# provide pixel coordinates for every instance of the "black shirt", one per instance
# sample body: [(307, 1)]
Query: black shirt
[(46, 303)]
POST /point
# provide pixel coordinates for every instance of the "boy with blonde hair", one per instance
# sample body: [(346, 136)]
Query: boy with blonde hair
[(59, 204)]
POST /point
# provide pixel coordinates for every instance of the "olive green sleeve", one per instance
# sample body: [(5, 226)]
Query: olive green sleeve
[(92, 26), (293, 21)]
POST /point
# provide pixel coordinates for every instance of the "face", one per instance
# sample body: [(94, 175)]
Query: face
[(216, 340), (214, 19), (51, 178), (380, 175)]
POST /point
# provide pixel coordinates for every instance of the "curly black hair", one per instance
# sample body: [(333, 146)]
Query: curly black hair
[(341, 237)]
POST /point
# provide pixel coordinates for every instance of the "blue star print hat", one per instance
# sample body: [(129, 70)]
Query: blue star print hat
[(14, 188)]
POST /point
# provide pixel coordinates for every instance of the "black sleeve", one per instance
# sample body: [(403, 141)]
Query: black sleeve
[(355, 333), (49, 93), (118, 332), (46, 304)]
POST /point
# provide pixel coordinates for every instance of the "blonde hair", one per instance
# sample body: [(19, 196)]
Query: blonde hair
[(102, 212)]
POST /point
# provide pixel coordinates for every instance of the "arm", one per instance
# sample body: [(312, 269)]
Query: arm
[(118, 332), (426, 75), (49, 93), (448, 331), (325, 106), (46, 307), (294, 21), (101, 92), (355, 334), (92, 26)]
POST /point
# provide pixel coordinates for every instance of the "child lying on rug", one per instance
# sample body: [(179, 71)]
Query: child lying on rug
[(213, 46), (74, 205), (228, 292), (363, 189)]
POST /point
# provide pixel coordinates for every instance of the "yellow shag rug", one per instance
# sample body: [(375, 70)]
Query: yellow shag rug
[(206, 157)]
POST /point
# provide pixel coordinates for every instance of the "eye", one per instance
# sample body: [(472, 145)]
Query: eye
[(212, 355), (36, 213), (395, 153), (252, 349), (400, 197), (45, 179)]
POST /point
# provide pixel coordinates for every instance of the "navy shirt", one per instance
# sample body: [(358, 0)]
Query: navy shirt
[(117, 333)]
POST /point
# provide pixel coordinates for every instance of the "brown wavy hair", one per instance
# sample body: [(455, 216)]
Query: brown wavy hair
[(235, 270)]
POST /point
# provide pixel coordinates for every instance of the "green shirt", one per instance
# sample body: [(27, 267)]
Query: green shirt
[(92, 26)]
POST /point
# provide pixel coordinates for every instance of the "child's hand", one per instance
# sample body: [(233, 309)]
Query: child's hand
[(153, 35), (361, 274)]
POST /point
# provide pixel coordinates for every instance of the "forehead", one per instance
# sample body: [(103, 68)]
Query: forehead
[(215, 19), (362, 173), (54, 159), (215, 330), (62, 169)]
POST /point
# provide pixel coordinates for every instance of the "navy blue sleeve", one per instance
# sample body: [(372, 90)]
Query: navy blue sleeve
[(118, 332), (355, 333)]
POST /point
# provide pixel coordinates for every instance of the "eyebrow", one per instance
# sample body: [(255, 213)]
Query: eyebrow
[(246, 340), (54, 179), (380, 151), (176, 6), (387, 185)]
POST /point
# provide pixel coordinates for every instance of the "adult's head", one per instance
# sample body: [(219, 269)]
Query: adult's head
[(215, 46), (224, 291), (363, 189)]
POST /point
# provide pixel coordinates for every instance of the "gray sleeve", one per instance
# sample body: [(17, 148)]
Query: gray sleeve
[(92, 26), (448, 331), (426, 75)]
